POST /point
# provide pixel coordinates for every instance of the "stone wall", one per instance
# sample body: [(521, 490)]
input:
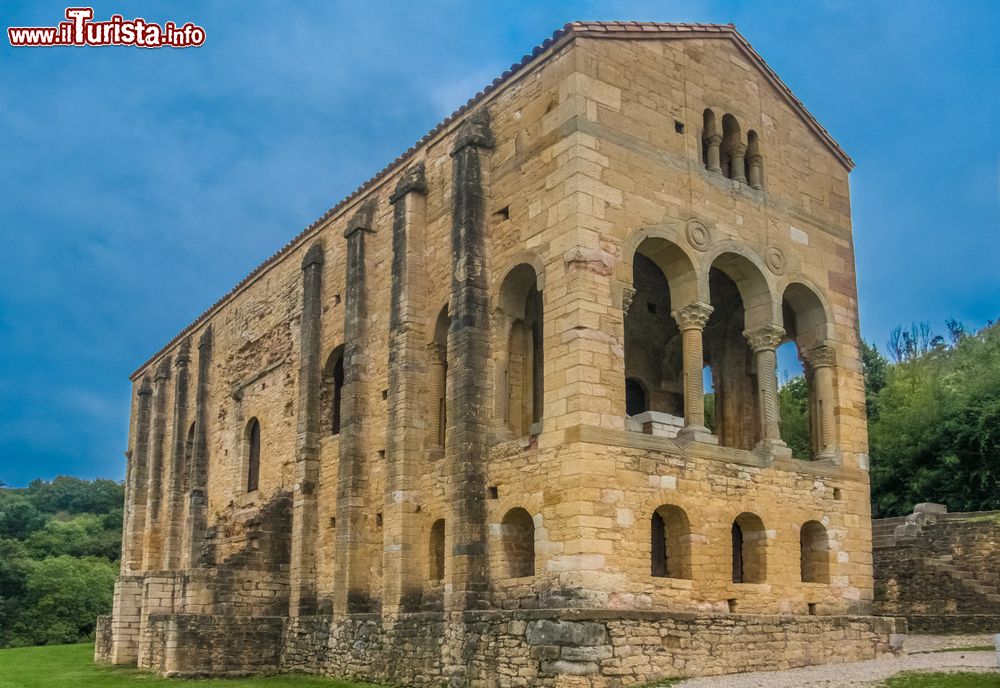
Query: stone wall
[(940, 571), (594, 648)]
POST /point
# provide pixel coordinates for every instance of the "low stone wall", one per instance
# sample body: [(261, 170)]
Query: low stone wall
[(103, 639), (194, 645), (941, 571), (593, 648)]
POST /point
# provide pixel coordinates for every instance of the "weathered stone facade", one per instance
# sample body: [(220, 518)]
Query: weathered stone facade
[(939, 571), (455, 431)]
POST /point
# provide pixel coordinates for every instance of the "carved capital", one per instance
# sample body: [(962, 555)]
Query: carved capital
[(822, 356), (693, 316), (363, 220), (755, 160), (413, 180), (713, 139), (475, 131), (738, 150), (764, 337), (628, 295), (314, 256)]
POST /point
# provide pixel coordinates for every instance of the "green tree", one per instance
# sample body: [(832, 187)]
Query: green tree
[(19, 518), (793, 410), (63, 597)]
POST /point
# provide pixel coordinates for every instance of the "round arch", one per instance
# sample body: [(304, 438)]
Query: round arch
[(746, 269)]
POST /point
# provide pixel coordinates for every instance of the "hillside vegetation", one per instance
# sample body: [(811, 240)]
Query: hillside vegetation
[(60, 542)]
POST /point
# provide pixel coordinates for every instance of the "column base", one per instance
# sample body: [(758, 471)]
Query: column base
[(697, 433), (776, 448)]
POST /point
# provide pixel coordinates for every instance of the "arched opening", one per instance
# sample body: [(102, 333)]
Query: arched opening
[(187, 460), (802, 405), (663, 279), (749, 549), (733, 149), (741, 301), (520, 375), (518, 533), (437, 411), (670, 552), (331, 394), (253, 455), (436, 551), (635, 397), (814, 548)]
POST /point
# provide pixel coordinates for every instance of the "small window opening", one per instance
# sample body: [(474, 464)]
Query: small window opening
[(678, 126), (503, 214), (650, 306), (494, 492), (731, 603), (378, 520), (812, 608), (635, 397)]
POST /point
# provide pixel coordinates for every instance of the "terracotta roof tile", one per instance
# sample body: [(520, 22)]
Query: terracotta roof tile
[(613, 29)]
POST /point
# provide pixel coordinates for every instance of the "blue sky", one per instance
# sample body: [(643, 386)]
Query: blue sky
[(138, 186)]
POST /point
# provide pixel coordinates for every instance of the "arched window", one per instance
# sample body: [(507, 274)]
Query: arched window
[(635, 397), (333, 389), (520, 374), (253, 455), (670, 553), (518, 533), (733, 151), (436, 553), (749, 549), (814, 547)]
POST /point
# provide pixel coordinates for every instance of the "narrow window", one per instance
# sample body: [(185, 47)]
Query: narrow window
[(437, 551), (338, 392), (658, 555), (253, 455), (737, 553)]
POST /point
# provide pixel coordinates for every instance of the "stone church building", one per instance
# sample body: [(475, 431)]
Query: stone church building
[(456, 431)]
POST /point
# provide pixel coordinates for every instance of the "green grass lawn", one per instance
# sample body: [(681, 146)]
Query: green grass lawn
[(957, 680), (60, 666)]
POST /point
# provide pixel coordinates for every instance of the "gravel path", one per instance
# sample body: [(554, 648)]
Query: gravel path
[(855, 674)]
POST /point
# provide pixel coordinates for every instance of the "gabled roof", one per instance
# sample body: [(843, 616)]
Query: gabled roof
[(616, 29)]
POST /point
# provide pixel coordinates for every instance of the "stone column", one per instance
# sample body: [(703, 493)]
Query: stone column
[(351, 575), (691, 320), (138, 482), (822, 359), (305, 510), (403, 574), (197, 505), (466, 581), (736, 162), (754, 163), (763, 341), (712, 143), (175, 486), (153, 548)]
